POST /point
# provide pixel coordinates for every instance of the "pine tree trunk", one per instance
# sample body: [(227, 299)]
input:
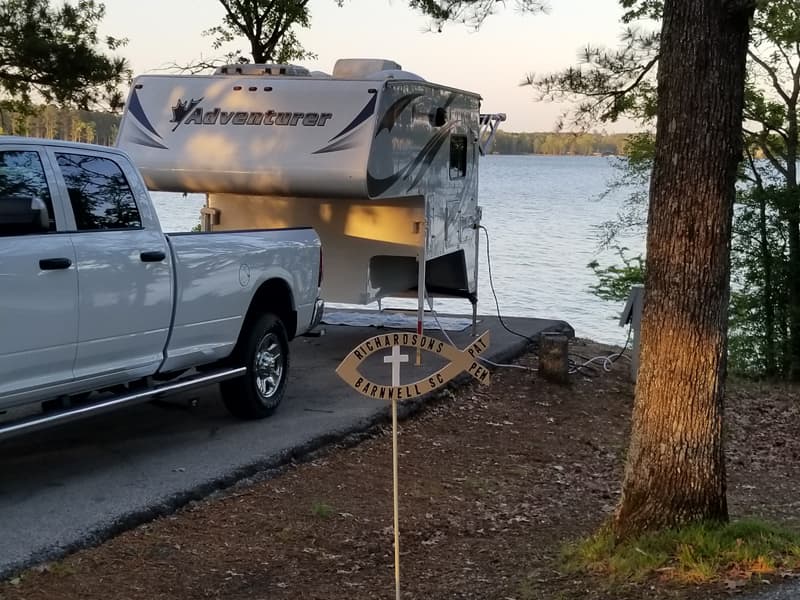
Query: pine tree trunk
[(768, 300), (793, 226), (675, 471), (794, 231), (766, 260)]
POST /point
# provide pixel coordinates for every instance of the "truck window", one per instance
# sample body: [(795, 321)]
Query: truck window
[(25, 203), (99, 193)]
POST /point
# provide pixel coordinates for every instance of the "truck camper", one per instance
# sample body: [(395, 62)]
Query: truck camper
[(383, 164)]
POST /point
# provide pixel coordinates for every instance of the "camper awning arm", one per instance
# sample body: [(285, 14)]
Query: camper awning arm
[(489, 125)]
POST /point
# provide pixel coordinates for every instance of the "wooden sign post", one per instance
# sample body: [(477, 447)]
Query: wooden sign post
[(396, 359), (460, 361)]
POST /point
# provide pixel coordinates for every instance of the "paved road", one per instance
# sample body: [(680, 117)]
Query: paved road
[(789, 591), (73, 486)]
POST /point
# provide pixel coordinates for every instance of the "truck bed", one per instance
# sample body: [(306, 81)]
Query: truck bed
[(215, 270)]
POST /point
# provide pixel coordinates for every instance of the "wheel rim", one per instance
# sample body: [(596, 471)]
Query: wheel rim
[(268, 366)]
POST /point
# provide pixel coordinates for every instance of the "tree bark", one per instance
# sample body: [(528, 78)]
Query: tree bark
[(675, 471)]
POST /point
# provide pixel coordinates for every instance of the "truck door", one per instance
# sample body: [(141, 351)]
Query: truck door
[(125, 299), (38, 278)]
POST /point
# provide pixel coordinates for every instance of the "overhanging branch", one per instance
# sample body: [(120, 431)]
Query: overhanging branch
[(776, 84)]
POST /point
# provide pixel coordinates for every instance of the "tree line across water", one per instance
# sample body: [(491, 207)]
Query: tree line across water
[(560, 143), (51, 122)]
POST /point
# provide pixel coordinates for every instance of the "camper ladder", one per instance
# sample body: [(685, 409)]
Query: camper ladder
[(489, 124)]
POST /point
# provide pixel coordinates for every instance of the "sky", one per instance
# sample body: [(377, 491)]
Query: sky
[(492, 61)]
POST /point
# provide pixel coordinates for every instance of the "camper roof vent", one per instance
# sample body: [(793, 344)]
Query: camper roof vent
[(269, 69), (362, 68)]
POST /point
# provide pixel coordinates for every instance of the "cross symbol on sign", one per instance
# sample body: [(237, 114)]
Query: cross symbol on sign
[(395, 359)]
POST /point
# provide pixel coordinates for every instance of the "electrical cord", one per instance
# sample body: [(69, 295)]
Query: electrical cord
[(491, 285), (588, 367), (478, 358), (607, 361)]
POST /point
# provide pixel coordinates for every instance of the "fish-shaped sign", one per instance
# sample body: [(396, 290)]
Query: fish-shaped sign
[(460, 361)]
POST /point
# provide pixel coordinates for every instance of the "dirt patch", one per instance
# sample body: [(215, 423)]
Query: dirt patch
[(494, 482)]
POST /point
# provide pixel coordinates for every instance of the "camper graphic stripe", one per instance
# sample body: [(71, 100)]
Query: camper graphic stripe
[(365, 114)]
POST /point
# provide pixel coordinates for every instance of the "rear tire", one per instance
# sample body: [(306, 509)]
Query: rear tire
[(264, 350)]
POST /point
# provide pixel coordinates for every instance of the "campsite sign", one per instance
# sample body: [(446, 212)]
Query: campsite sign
[(460, 361)]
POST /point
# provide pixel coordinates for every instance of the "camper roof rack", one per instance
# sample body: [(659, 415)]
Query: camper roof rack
[(263, 69), (489, 125)]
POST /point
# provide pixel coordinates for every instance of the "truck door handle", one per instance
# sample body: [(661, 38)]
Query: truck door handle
[(153, 256), (54, 264)]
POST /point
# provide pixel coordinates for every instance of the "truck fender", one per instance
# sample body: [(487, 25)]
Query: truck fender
[(272, 296)]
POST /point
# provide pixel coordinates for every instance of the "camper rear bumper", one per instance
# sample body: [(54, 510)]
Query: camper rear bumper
[(316, 317)]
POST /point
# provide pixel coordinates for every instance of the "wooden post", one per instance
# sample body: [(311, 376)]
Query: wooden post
[(554, 357)]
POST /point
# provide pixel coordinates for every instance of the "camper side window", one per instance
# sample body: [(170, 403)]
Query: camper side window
[(458, 156)]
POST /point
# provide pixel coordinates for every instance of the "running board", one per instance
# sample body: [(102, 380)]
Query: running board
[(37, 422)]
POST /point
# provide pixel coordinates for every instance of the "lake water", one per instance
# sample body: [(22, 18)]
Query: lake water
[(541, 213)]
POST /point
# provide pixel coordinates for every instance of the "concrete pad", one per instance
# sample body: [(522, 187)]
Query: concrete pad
[(78, 484)]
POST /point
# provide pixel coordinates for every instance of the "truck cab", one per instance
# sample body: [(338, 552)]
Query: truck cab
[(95, 295)]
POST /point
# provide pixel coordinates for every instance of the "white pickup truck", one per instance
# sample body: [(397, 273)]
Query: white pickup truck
[(99, 308)]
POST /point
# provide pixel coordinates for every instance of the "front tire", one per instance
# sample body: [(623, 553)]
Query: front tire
[(264, 350)]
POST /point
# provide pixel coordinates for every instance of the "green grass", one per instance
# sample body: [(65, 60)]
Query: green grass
[(322, 510), (699, 553)]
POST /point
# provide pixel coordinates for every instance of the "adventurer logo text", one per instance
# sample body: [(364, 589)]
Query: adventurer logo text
[(191, 113)]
